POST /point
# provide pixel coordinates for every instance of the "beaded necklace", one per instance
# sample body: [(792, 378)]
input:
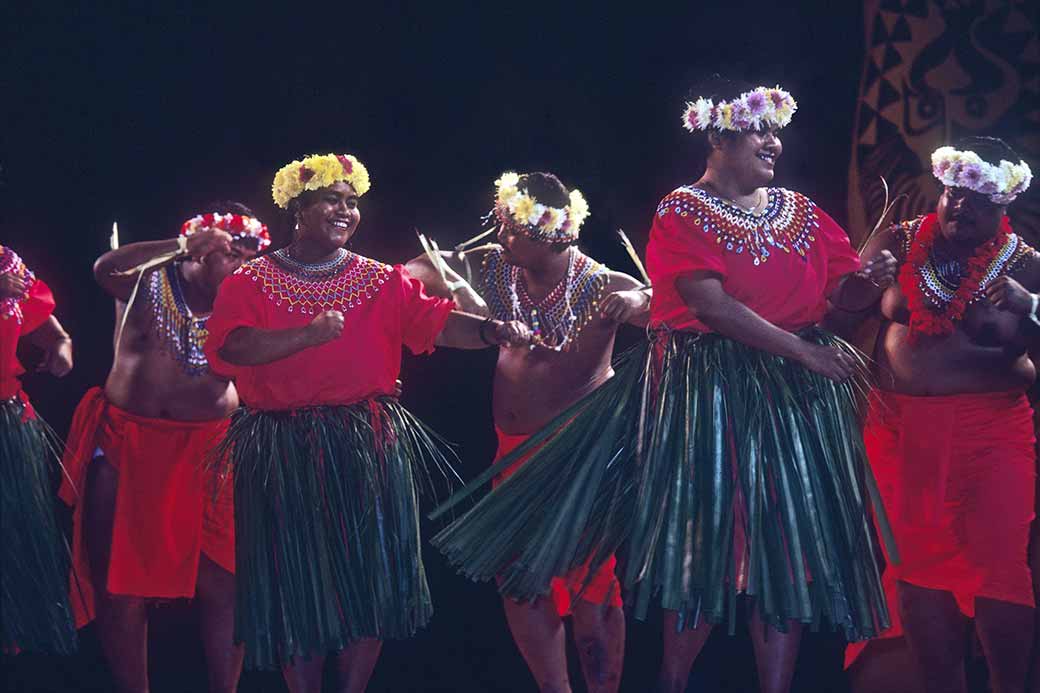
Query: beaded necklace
[(11, 263), (181, 333), (557, 319), (343, 282), (788, 222)]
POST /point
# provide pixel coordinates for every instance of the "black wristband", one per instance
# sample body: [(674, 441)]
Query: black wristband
[(484, 339)]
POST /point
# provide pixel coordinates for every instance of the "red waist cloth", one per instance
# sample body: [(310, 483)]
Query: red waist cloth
[(957, 476), (165, 512), (603, 588)]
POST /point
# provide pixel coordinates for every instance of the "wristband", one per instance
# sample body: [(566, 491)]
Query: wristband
[(481, 331)]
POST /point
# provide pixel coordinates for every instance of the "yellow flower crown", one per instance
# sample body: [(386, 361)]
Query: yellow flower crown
[(540, 222), (318, 171)]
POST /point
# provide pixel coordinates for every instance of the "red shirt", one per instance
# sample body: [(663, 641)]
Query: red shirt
[(383, 308), (782, 264), (19, 317)]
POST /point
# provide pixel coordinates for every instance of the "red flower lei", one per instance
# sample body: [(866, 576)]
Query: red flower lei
[(924, 318)]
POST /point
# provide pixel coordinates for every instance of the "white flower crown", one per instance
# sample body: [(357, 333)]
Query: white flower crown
[(539, 221), (1002, 184), (763, 106)]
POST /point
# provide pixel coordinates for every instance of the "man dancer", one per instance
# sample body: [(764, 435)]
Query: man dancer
[(573, 306), (147, 525), (950, 431)]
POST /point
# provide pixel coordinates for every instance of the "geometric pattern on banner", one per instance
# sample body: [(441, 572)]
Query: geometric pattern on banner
[(935, 71)]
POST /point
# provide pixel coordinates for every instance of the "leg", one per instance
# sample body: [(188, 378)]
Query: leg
[(216, 594), (540, 635), (885, 665), (599, 633), (1034, 564), (304, 675), (680, 649), (1003, 628), (354, 665), (122, 622), (775, 653), (936, 632)]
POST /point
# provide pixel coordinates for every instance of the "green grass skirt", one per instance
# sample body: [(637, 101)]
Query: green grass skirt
[(327, 527), (34, 556), (715, 470)]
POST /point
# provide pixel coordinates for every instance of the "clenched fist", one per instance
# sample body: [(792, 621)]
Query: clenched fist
[(206, 241), (512, 334), (325, 327), (11, 286), (1007, 294), (882, 270)]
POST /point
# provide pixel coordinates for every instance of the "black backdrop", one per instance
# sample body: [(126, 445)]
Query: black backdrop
[(141, 115)]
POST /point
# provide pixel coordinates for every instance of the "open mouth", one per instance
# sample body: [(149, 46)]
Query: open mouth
[(768, 157), (341, 224)]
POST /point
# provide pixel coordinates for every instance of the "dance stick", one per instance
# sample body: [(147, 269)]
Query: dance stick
[(635, 257)]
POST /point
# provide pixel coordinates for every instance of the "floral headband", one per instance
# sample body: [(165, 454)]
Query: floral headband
[(319, 171), (239, 226), (538, 221), (1002, 184), (764, 106)]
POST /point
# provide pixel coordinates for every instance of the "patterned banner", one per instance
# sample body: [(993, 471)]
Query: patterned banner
[(937, 70)]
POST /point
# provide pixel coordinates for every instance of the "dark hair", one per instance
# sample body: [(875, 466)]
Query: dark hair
[(550, 191), (990, 149)]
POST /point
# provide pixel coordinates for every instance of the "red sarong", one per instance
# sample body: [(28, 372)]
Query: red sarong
[(957, 477), (165, 515), (603, 588)]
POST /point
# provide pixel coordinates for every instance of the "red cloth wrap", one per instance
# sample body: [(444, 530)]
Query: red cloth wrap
[(603, 588), (957, 477), (36, 307), (789, 290), (165, 513)]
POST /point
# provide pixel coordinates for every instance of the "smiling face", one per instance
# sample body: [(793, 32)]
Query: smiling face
[(746, 157), (966, 217), (327, 218)]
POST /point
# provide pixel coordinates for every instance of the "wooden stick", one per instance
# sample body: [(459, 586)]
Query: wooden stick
[(635, 256)]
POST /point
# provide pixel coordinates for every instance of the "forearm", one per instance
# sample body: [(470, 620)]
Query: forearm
[(252, 346), (465, 297), (47, 335), (855, 300), (122, 259), (465, 331), (642, 318)]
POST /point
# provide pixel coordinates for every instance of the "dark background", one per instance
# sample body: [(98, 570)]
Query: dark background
[(142, 115)]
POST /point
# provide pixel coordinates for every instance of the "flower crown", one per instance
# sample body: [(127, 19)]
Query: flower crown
[(538, 221), (318, 171), (764, 106), (239, 226), (1002, 184)]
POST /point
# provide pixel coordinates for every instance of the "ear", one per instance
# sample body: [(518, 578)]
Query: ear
[(715, 139)]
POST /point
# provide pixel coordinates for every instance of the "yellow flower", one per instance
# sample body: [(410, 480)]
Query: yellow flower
[(578, 209), (324, 170), (725, 116), (523, 209)]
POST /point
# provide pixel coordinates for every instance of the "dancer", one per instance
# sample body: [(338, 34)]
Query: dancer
[(950, 431), (145, 525), (327, 464), (573, 306), (725, 456), (35, 557)]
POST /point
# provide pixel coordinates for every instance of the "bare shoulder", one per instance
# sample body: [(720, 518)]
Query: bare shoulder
[(619, 281)]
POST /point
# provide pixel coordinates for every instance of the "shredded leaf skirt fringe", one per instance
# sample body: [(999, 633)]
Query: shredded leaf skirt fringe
[(34, 555), (715, 470), (327, 527)]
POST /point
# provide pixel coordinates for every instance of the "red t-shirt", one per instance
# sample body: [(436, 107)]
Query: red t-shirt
[(19, 317), (383, 308), (782, 264)]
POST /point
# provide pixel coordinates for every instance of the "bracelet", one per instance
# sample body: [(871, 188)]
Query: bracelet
[(484, 339), (182, 245)]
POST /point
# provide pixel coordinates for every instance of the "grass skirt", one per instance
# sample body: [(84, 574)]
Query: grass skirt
[(327, 527), (34, 556), (715, 470)]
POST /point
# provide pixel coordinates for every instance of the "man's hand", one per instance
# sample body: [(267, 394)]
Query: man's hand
[(325, 327), (882, 270), (1007, 294), (622, 306), (57, 360), (830, 362), (512, 334), (206, 241), (11, 286)]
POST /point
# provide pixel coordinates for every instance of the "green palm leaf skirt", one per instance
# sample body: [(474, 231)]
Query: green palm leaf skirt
[(715, 470), (34, 555), (327, 526)]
